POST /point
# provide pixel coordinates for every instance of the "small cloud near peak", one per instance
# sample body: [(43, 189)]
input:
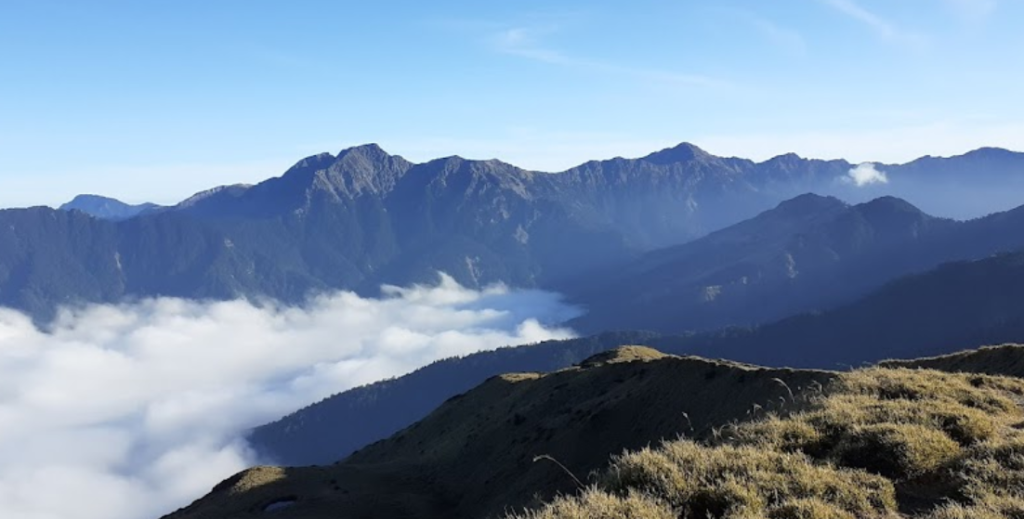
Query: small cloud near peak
[(866, 174)]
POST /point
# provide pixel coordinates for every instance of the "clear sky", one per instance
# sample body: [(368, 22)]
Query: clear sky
[(154, 100)]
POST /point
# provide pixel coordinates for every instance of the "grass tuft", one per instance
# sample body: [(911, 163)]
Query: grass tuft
[(950, 445)]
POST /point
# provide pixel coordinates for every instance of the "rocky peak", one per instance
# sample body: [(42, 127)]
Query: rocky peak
[(370, 154), (354, 171), (785, 161), (684, 152), (366, 169)]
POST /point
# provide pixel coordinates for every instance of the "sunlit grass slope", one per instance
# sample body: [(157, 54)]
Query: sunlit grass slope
[(877, 442), (636, 433)]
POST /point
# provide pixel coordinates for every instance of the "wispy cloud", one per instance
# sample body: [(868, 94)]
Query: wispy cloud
[(883, 27), (782, 37), (972, 11), (527, 42), (866, 174)]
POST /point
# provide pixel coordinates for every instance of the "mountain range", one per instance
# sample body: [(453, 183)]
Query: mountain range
[(809, 253), (363, 218)]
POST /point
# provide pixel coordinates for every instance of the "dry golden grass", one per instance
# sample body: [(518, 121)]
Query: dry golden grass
[(759, 443), (474, 456), (730, 481), (989, 508), (1005, 359), (877, 442), (596, 504), (252, 479)]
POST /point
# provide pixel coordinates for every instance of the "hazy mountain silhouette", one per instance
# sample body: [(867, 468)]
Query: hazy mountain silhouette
[(809, 253), (106, 208), (364, 217)]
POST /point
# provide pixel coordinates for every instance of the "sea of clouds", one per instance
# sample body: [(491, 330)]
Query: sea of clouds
[(131, 411)]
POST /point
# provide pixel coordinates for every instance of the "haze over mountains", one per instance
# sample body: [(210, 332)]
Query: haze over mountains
[(365, 218), (809, 253)]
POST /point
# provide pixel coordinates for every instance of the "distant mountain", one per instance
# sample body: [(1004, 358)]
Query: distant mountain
[(50, 258), (958, 305), (978, 166), (106, 208), (364, 217), (963, 187), (809, 253)]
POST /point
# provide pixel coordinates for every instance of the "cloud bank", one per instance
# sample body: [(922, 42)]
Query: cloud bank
[(131, 411), (866, 174)]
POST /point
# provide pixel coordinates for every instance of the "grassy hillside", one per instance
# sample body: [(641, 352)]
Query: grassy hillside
[(335, 427), (636, 433), (1006, 359), (879, 442), (474, 456)]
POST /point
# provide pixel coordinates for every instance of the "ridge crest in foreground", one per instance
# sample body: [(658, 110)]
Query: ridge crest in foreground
[(655, 435)]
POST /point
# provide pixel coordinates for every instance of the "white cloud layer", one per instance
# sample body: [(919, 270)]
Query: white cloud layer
[(128, 412), (866, 174)]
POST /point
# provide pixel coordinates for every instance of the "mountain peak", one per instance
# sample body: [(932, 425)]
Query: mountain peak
[(991, 153), (684, 152), (889, 202), (888, 208), (79, 200), (785, 158), (370, 152), (365, 168), (105, 208), (809, 203)]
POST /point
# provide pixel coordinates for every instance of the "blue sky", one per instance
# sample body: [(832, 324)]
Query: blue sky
[(156, 100)]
